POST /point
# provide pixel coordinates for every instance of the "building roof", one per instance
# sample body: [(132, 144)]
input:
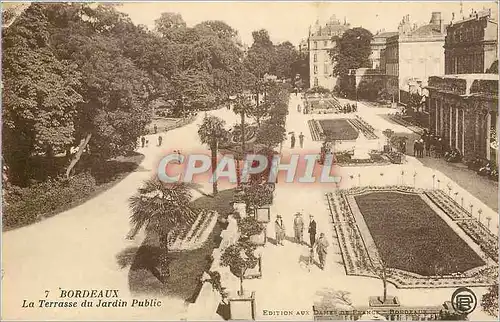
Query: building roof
[(427, 30), (386, 34)]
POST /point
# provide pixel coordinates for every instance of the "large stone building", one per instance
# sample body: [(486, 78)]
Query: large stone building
[(378, 45), (471, 44), (412, 55), (320, 41), (463, 104), (464, 111)]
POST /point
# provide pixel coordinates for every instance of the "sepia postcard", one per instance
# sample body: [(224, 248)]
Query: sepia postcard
[(210, 161)]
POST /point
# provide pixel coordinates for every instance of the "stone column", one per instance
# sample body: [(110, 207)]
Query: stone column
[(463, 130), (450, 125), (456, 126), (487, 131)]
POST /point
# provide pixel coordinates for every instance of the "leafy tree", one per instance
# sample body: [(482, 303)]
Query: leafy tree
[(40, 94), (239, 257), (286, 56), (261, 54), (352, 52), (161, 208), (211, 131), (271, 134), (171, 26), (489, 301)]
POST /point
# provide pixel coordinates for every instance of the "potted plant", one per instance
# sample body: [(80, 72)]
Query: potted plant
[(252, 230), (257, 195)]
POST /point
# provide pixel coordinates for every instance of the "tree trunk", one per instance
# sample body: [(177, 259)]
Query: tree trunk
[(241, 281), (163, 264), (238, 172), (78, 154), (384, 281), (242, 132), (213, 149)]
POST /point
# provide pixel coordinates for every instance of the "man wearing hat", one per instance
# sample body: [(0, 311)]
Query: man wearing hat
[(312, 230), (322, 249), (279, 229), (298, 227)]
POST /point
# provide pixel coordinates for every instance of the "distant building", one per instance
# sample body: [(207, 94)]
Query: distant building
[(320, 41), (378, 45), (464, 111), (303, 46), (412, 55), (471, 44)]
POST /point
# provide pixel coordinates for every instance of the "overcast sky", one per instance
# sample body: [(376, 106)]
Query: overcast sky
[(290, 20)]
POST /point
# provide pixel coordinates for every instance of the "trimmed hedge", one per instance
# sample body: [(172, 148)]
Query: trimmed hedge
[(25, 206)]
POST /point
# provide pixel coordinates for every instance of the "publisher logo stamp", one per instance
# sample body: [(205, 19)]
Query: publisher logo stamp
[(464, 300)]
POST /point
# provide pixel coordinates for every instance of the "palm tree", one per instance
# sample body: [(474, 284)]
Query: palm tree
[(211, 131), (159, 207), (243, 107)]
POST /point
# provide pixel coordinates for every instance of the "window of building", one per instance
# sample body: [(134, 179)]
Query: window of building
[(326, 68), (315, 57), (315, 45), (325, 43), (315, 69), (315, 81)]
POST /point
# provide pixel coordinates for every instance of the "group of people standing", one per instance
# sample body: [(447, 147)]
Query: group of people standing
[(319, 244), (145, 142), (301, 140)]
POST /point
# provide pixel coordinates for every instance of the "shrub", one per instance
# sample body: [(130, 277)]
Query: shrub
[(25, 205), (250, 226)]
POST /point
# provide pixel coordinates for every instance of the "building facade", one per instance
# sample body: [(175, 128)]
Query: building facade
[(321, 40), (464, 112), (378, 44), (413, 55), (471, 44)]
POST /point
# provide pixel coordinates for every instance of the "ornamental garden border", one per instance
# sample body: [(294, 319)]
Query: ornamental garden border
[(360, 257)]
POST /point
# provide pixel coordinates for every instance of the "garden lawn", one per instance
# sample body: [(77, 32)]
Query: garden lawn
[(410, 236), (186, 267), (339, 129)]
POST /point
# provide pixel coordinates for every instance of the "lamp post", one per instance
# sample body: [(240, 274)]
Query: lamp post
[(462, 201), (402, 177), (455, 197), (449, 189), (359, 179), (439, 181), (414, 179), (479, 212), (471, 206), (433, 181)]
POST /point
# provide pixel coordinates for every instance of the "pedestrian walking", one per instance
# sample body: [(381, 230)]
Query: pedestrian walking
[(279, 228), (298, 227), (415, 148), (312, 230), (301, 140), (292, 141), (160, 139), (322, 249), (421, 148), (298, 107), (143, 141), (147, 143), (155, 129)]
